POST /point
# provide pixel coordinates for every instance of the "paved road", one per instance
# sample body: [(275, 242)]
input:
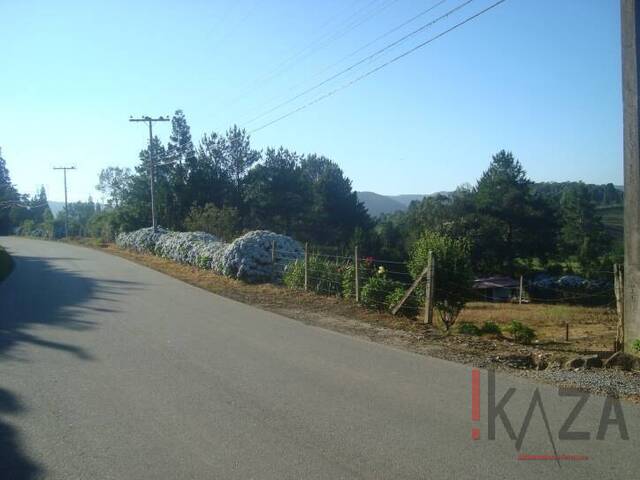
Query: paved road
[(111, 370)]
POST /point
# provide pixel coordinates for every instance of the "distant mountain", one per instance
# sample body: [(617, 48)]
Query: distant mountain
[(377, 204), (380, 204)]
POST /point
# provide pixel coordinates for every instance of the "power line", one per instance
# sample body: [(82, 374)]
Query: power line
[(360, 62), (380, 67), (358, 50), (314, 46)]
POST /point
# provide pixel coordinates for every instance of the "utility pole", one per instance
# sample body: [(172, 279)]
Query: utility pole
[(630, 19), (66, 206), (150, 121)]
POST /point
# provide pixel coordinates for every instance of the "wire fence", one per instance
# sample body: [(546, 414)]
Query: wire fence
[(376, 282)]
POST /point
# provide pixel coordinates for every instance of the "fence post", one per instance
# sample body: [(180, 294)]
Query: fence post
[(306, 266), (520, 296), (428, 294), (356, 265), (273, 259), (618, 288), (566, 331)]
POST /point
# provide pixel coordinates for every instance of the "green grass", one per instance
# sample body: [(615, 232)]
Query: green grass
[(5, 263)]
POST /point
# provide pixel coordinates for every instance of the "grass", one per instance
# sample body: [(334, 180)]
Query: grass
[(590, 328), (6, 264)]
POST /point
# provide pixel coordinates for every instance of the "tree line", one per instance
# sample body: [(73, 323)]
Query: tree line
[(224, 186)]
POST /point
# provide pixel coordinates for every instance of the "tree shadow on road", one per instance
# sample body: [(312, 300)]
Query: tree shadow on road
[(39, 293)]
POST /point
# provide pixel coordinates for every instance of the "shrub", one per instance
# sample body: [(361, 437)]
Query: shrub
[(467, 328), (490, 328), (349, 278), (453, 275), (378, 291), (521, 333), (636, 345), (410, 306), (324, 276)]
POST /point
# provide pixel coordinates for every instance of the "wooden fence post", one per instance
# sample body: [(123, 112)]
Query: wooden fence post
[(566, 331), (356, 265), (618, 288), (520, 296), (428, 294), (306, 266), (273, 259)]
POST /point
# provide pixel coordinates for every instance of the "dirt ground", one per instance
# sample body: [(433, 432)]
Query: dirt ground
[(591, 329)]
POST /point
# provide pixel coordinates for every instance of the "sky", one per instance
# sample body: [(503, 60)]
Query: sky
[(540, 78)]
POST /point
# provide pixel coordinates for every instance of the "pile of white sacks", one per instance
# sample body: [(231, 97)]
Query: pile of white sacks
[(248, 257)]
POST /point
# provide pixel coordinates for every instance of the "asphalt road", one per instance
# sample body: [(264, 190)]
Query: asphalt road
[(111, 370)]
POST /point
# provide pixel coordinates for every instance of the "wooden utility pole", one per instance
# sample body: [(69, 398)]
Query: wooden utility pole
[(630, 18), (152, 165), (66, 205)]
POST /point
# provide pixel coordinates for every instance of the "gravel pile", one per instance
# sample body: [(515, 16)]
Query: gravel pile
[(248, 258)]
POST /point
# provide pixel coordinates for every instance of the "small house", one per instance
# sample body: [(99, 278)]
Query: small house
[(496, 289)]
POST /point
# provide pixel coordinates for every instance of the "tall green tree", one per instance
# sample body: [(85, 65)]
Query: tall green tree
[(8, 197), (582, 234), (511, 222), (277, 193), (336, 211)]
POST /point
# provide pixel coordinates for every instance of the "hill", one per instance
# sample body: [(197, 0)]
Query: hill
[(377, 204)]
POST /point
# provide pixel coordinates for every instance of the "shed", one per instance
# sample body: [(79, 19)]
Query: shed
[(497, 289)]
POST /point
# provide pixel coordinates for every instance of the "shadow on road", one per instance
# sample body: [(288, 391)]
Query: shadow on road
[(40, 293)]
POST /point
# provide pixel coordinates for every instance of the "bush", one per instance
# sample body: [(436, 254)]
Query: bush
[(521, 333), (467, 328), (490, 328), (410, 306), (324, 276), (636, 345), (453, 275), (349, 278), (378, 292)]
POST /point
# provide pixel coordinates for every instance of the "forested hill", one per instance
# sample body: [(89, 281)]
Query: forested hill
[(601, 195)]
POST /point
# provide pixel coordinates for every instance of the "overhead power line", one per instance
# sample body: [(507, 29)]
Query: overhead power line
[(360, 49), (319, 43), (365, 59), (380, 67)]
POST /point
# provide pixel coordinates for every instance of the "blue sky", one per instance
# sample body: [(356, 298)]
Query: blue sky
[(538, 77)]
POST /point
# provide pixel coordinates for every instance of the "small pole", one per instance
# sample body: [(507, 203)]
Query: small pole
[(428, 294), (66, 205), (566, 331), (520, 296), (273, 258), (306, 266), (356, 264)]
